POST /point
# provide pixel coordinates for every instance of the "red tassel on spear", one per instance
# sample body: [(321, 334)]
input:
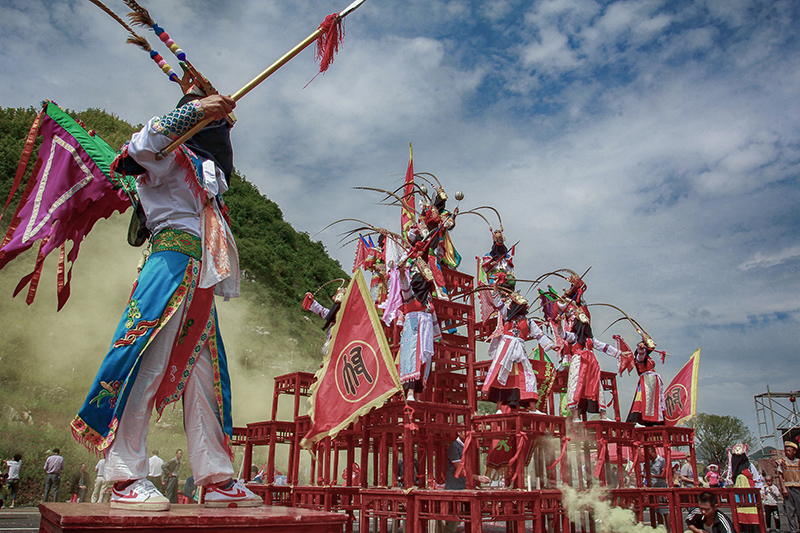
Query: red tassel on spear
[(329, 40)]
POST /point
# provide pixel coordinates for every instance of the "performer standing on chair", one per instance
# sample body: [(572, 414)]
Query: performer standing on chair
[(167, 345), (649, 402), (511, 381), (420, 329), (584, 391)]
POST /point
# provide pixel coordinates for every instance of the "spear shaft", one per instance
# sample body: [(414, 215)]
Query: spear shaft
[(256, 81)]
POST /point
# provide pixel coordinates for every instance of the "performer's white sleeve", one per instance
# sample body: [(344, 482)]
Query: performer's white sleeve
[(405, 285), (538, 334), (317, 308), (394, 252), (605, 348), (143, 147), (497, 300)]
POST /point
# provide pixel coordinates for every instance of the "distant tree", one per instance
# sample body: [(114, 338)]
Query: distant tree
[(714, 434)]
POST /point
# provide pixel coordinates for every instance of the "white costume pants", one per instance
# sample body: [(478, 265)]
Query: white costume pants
[(127, 456)]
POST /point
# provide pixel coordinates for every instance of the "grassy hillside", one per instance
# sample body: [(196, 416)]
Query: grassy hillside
[(48, 359)]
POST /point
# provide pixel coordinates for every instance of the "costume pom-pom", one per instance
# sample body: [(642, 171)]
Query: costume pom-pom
[(174, 77), (170, 43), (153, 54), (164, 36), (166, 68), (181, 54), (158, 59), (162, 63), (158, 29)]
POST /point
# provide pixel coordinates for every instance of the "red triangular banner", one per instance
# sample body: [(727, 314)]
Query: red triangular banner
[(681, 395), (358, 373)]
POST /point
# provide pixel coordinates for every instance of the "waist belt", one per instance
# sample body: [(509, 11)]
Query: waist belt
[(177, 241)]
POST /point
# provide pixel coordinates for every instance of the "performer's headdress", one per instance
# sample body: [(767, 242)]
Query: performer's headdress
[(518, 307), (649, 343), (577, 287), (737, 462), (505, 280), (440, 196), (192, 78)]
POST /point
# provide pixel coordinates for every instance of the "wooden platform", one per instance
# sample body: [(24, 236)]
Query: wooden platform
[(100, 518)]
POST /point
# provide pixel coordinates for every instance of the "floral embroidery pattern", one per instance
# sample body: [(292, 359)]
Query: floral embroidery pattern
[(133, 313), (91, 438), (206, 337), (110, 391), (177, 241), (185, 330)]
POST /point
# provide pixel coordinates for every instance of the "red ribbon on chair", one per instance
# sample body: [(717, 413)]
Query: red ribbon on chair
[(564, 442), (467, 444), (409, 412), (521, 445), (601, 457)]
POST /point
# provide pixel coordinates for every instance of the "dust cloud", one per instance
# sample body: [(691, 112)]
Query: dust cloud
[(607, 518), (44, 350)]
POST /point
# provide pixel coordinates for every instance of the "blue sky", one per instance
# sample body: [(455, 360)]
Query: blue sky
[(656, 142)]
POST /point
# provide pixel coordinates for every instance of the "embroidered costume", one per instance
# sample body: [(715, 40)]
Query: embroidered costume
[(584, 392), (788, 468), (376, 264), (511, 380), (649, 402), (420, 327), (167, 345), (439, 222), (743, 474)]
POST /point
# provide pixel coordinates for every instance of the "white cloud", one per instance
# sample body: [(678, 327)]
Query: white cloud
[(551, 53), (767, 260)]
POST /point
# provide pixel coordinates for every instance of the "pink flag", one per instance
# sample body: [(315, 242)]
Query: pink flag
[(67, 193)]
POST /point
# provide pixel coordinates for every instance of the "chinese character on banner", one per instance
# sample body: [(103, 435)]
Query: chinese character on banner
[(358, 372), (681, 395)]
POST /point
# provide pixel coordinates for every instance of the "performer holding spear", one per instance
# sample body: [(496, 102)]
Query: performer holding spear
[(167, 345)]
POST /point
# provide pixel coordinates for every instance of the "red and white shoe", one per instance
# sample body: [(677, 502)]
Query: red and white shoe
[(140, 495), (237, 495)]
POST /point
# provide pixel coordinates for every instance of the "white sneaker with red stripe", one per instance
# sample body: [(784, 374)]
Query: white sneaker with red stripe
[(238, 495), (140, 495)]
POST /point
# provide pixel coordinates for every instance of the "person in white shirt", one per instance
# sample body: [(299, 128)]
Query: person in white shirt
[(14, 466), (154, 470), (100, 493)]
